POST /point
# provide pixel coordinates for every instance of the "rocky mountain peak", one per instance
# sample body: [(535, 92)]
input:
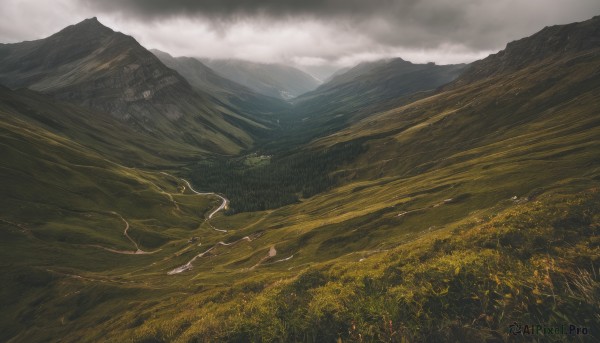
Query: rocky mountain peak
[(89, 28), (550, 42)]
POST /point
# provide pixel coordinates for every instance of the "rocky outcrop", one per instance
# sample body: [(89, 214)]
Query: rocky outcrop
[(551, 42), (91, 65)]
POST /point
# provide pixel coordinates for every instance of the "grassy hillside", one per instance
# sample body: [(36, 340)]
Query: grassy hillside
[(448, 218), (358, 93), (67, 209), (237, 98), (530, 263), (97, 131), (90, 65)]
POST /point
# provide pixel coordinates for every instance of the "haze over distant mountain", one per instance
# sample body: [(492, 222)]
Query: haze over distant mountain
[(322, 72), (363, 89), (336, 73), (91, 65), (398, 202), (199, 75), (207, 80), (385, 79), (274, 80)]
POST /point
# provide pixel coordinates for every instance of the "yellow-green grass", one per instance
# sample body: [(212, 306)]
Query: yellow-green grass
[(468, 210), (531, 262)]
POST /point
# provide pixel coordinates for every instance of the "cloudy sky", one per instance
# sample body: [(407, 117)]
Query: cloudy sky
[(312, 34)]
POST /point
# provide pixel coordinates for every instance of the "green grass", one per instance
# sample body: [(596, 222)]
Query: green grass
[(449, 219), (535, 262)]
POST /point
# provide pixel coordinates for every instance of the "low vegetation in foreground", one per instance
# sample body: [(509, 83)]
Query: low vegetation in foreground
[(466, 213), (533, 263)]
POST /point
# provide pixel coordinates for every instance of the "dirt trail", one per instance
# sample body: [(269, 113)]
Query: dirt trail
[(189, 265), (446, 201), (284, 259), (272, 253), (224, 202), (124, 252), (137, 251)]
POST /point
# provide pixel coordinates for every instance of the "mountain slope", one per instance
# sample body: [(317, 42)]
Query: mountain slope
[(361, 91), (199, 75), (449, 218), (91, 65), (273, 80), (551, 42), (239, 98), (383, 80), (66, 207), (97, 131), (470, 210), (346, 75)]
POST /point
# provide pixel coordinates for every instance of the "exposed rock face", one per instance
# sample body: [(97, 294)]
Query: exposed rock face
[(91, 64), (551, 42)]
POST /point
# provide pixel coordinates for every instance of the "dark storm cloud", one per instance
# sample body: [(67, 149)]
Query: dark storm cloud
[(314, 34), (476, 24), (229, 8)]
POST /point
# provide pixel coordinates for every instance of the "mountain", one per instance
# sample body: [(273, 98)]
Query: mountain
[(552, 42), (336, 73), (93, 66), (385, 79), (449, 218), (346, 75), (461, 213), (359, 92), (321, 72), (199, 75), (260, 108), (273, 80)]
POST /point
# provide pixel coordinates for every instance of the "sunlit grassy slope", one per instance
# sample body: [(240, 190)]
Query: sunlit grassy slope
[(95, 130), (358, 93), (465, 212), (65, 206)]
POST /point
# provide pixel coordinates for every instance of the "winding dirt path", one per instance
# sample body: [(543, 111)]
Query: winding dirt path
[(446, 201), (189, 265), (124, 252), (224, 202), (272, 253), (137, 250), (284, 259)]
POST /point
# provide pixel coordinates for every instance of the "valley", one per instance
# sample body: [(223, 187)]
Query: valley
[(397, 202)]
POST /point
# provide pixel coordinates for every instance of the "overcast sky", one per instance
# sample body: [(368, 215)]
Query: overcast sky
[(305, 33)]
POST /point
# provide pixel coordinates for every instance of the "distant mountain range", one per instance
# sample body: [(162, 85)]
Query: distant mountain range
[(93, 66), (201, 76), (260, 107), (395, 202), (359, 91), (386, 79), (273, 80)]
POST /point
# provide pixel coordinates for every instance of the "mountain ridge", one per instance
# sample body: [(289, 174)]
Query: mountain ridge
[(260, 107), (275, 80), (449, 214), (365, 89), (93, 66), (550, 42)]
